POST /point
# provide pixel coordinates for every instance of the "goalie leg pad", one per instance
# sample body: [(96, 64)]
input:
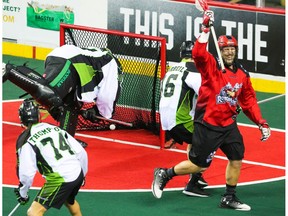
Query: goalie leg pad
[(25, 71), (69, 119), (34, 84)]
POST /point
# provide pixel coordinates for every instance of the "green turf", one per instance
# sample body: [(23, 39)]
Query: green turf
[(273, 111), (265, 199), (11, 91)]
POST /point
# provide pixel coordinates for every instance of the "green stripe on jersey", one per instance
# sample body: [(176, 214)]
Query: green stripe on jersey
[(62, 75)]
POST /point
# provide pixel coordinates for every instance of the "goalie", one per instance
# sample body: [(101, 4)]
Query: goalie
[(72, 76)]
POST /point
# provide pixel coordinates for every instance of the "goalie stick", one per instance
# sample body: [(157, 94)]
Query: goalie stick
[(84, 113), (114, 121), (202, 6)]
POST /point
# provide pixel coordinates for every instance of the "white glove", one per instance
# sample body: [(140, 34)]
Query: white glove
[(265, 131), (3, 72), (3, 67)]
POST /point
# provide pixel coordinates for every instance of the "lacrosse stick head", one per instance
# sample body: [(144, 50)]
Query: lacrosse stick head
[(201, 5)]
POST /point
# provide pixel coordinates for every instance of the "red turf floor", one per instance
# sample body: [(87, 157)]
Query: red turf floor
[(113, 165)]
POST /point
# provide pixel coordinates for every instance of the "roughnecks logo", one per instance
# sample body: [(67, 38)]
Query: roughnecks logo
[(228, 94), (210, 157)]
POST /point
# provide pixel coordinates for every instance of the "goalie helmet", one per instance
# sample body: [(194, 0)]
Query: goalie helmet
[(29, 112), (186, 49), (227, 41)]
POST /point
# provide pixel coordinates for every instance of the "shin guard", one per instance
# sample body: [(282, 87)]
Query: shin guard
[(69, 119)]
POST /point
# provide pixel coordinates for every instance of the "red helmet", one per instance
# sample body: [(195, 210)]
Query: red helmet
[(227, 41)]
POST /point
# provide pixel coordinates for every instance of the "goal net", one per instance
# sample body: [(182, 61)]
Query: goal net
[(143, 60)]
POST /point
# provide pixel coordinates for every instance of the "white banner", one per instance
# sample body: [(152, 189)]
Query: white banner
[(14, 16)]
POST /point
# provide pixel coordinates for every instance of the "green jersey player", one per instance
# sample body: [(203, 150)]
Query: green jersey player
[(56, 155)]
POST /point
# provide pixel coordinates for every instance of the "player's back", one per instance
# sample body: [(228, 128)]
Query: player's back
[(176, 96), (55, 155), (70, 51)]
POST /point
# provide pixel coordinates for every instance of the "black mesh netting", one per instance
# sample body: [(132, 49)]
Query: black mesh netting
[(140, 94)]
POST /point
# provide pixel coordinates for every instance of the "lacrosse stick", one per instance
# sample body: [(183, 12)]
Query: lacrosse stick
[(85, 114), (13, 210), (114, 121), (202, 6)]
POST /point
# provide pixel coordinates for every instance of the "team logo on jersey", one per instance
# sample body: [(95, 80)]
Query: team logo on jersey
[(228, 94), (64, 77), (210, 157)]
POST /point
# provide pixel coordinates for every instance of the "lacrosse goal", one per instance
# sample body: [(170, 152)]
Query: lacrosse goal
[(143, 59)]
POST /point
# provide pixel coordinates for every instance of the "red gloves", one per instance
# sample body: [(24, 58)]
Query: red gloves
[(208, 20)]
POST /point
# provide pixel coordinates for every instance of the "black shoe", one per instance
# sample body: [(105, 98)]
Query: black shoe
[(232, 202), (202, 182), (160, 180), (83, 144), (198, 178), (195, 190)]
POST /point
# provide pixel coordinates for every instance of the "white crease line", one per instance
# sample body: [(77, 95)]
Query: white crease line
[(157, 147), (255, 163), (13, 100), (272, 98), (166, 189), (118, 141), (244, 161)]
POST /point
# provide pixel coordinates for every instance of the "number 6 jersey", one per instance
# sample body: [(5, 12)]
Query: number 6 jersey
[(179, 90)]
